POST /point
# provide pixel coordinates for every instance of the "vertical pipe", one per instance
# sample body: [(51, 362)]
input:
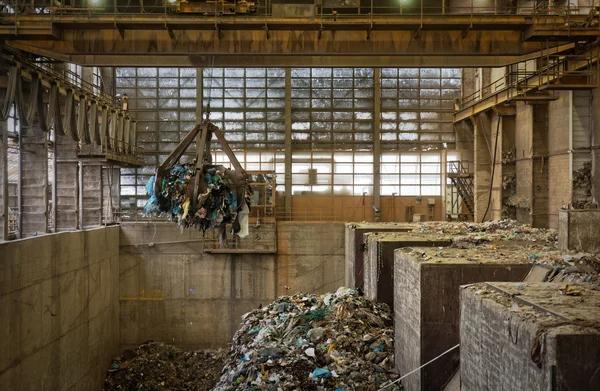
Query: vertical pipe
[(101, 194), (377, 141), (4, 183), (46, 215), (54, 187), (288, 143), (20, 183), (79, 195)]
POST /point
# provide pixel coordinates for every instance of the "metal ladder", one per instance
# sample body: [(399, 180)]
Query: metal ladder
[(463, 181)]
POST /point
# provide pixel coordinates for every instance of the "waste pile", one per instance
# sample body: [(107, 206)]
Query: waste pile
[(496, 230), (509, 155), (338, 341), (158, 366), (582, 178), (218, 206), (582, 188), (537, 246)]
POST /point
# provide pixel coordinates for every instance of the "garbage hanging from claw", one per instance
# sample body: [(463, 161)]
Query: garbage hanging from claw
[(222, 198)]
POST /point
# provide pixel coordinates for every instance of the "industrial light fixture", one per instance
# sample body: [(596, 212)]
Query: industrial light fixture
[(95, 2)]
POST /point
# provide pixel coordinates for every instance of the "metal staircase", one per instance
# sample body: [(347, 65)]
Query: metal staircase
[(462, 179)]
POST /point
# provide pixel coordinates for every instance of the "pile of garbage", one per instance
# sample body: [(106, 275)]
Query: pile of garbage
[(509, 155), (490, 231), (158, 366), (582, 178), (219, 205), (338, 341)]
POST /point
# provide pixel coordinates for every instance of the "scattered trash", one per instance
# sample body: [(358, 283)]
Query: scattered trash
[(158, 366), (320, 372), (339, 341), (570, 291)]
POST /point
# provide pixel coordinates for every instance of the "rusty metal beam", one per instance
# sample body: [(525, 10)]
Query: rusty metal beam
[(505, 109), (384, 48), (279, 61)]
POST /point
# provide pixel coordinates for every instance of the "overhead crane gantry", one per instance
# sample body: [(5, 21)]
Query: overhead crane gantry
[(451, 40)]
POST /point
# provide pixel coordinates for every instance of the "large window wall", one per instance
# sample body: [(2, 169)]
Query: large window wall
[(331, 117)]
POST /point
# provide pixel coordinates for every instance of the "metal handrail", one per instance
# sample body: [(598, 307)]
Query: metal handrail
[(519, 78), (167, 8)]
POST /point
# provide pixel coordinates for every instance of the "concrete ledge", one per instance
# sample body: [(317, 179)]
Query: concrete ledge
[(426, 305), (545, 341), (354, 254)]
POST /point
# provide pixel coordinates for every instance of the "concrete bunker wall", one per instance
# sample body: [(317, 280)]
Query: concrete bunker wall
[(59, 310)]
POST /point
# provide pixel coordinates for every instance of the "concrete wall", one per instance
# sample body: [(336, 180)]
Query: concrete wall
[(527, 347), (426, 309), (579, 230), (351, 208), (595, 143), (172, 290), (310, 257), (59, 310)]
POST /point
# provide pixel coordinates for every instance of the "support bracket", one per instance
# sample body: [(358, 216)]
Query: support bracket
[(170, 31), (417, 32), (465, 32), (121, 30)]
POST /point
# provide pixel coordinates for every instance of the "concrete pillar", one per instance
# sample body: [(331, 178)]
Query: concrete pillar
[(523, 166), (67, 184), (508, 167), (495, 210), (539, 202), (91, 195), (111, 190), (3, 180), (288, 143), (377, 142), (34, 181), (468, 82), (559, 151), (486, 80), (482, 166)]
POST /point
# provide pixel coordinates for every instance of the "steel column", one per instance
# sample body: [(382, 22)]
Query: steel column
[(4, 176), (288, 142), (377, 142)]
